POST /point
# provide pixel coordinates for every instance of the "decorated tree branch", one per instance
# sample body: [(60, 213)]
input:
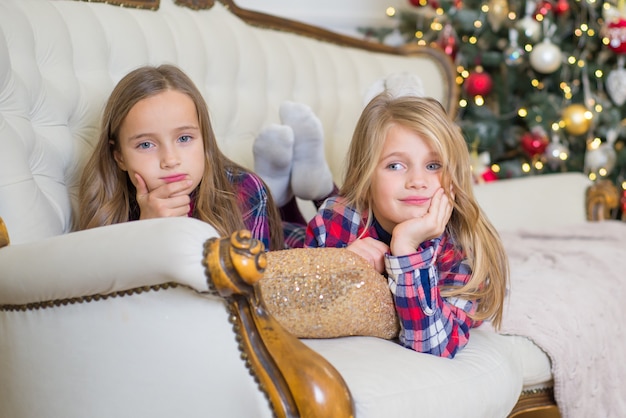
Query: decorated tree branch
[(543, 83)]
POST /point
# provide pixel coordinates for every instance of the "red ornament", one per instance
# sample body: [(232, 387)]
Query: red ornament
[(478, 83), (488, 175), (534, 143), (616, 32), (562, 7), (417, 3)]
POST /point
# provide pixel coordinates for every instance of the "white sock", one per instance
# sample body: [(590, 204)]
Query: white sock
[(273, 156), (311, 178)]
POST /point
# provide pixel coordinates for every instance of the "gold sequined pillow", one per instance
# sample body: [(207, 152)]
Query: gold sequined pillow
[(327, 293)]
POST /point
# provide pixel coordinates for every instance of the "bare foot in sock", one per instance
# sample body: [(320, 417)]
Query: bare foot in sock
[(311, 178), (273, 156)]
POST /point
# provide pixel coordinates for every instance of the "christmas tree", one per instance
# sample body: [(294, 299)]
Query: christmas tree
[(543, 84)]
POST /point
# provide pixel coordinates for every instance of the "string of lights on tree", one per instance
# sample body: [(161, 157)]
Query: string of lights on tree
[(543, 83)]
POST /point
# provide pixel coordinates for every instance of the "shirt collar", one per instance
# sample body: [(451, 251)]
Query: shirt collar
[(383, 235)]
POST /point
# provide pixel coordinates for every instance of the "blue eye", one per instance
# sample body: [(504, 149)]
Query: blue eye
[(144, 145), (184, 138), (433, 166), (394, 166)]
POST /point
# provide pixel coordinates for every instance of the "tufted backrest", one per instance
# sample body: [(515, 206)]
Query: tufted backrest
[(59, 60)]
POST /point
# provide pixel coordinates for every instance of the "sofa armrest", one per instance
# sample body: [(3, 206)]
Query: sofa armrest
[(534, 202), (105, 260), (154, 254), (120, 319)]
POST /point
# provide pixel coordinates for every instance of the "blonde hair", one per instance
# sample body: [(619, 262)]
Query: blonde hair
[(468, 227), (107, 195)]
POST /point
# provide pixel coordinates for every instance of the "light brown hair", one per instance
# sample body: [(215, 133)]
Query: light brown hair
[(106, 193), (469, 228)]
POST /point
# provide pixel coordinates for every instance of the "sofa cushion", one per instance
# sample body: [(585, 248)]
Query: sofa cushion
[(537, 367), (387, 380)]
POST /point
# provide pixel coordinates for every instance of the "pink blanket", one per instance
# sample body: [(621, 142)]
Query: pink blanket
[(568, 295)]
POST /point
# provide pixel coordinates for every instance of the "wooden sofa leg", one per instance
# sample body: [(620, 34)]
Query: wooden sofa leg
[(537, 403), (297, 381), (602, 198)]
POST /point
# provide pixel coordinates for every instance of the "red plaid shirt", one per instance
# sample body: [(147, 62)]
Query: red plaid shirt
[(253, 200), (429, 322)]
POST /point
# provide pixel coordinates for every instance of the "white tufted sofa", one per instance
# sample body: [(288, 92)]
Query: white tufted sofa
[(118, 321)]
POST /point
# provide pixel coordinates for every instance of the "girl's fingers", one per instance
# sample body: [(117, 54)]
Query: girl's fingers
[(168, 190), (166, 200), (440, 210), (371, 250), (179, 187), (142, 188)]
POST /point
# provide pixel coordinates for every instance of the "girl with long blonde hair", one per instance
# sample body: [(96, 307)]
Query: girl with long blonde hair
[(407, 206)]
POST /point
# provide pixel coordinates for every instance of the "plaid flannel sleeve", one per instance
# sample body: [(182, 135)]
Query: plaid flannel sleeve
[(334, 225), (253, 201), (429, 322)]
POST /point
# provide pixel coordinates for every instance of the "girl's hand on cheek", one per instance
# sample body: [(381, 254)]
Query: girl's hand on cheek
[(372, 250), (163, 201), (408, 235)]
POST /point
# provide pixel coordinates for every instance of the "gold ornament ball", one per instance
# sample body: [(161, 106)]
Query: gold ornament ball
[(576, 118)]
